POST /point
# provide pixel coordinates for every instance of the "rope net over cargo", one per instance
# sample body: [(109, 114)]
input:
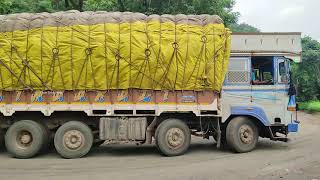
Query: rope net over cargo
[(111, 50)]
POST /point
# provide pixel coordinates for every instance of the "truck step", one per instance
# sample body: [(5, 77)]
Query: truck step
[(283, 139)]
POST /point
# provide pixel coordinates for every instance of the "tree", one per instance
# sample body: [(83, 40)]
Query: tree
[(307, 73), (19, 6), (95, 5), (223, 8), (243, 27), (69, 4), (5, 6)]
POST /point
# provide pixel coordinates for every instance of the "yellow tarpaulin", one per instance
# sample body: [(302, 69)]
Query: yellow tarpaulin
[(145, 53)]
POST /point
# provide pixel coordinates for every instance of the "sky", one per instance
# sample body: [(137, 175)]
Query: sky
[(281, 15)]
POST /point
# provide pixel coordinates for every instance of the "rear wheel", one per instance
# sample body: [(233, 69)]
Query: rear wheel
[(242, 134), (73, 139), (2, 139), (24, 139), (173, 137)]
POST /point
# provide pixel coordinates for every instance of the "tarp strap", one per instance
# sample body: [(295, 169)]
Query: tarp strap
[(14, 75), (145, 63), (176, 54), (118, 58), (2, 85), (55, 58), (25, 66), (186, 57), (71, 58), (197, 64), (105, 53), (165, 75), (89, 52), (224, 51), (130, 49), (214, 56)]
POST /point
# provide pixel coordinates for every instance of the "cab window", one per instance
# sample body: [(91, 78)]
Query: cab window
[(282, 72), (262, 71)]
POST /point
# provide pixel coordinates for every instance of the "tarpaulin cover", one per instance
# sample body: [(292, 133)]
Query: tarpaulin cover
[(111, 50)]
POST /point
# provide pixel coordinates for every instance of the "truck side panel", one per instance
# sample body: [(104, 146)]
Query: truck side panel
[(111, 103)]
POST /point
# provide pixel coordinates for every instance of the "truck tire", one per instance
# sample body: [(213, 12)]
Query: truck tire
[(47, 139), (242, 134), (173, 137), (73, 139), (2, 139), (24, 139)]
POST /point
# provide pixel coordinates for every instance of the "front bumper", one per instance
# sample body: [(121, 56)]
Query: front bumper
[(293, 127)]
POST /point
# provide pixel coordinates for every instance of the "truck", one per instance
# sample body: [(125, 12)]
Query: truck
[(77, 80)]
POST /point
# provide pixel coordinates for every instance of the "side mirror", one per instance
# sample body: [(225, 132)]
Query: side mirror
[(292, 90)]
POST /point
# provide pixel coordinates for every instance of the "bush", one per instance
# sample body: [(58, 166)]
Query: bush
[(311, 107)]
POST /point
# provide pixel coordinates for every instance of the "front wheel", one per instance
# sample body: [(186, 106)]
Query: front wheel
[(242, 134), (173, 137), (73, 140)]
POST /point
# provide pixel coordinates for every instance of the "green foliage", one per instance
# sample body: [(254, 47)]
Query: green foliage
[(223, 8), (19, 6), (5, 6), (307, 73), (311, 107), (243, 27), (97, 5)]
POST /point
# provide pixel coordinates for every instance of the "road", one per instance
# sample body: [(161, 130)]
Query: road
[(299, 159)]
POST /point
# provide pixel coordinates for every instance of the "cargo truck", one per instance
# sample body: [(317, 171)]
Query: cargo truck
[(79, 79)]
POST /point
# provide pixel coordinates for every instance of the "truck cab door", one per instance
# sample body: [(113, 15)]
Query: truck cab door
[(282, 86), (236, 90)]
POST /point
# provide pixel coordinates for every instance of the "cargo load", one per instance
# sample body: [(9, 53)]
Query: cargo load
[(111, 50)]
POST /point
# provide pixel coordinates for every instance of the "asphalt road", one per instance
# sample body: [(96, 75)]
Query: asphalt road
[(299, 159)]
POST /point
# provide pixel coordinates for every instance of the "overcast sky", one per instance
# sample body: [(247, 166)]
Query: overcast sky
[(282, 15)]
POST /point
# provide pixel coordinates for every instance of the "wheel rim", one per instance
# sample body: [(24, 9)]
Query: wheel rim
[(175, 138), (24, 139), (73, 139), (246, 134)]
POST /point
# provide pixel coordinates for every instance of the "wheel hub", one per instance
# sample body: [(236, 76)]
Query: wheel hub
[(24, 138), (175, 137), (246, 134), (73, 139)]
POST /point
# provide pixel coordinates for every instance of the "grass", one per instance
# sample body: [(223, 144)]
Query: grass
[(311, 107)]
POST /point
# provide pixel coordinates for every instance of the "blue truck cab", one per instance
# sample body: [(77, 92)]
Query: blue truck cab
[(258, 83)]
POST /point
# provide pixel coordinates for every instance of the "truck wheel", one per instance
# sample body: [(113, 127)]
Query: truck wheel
[(24, 139), (173, 137), (2, 139), (73, 140), (47, 139), (242, 134)]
